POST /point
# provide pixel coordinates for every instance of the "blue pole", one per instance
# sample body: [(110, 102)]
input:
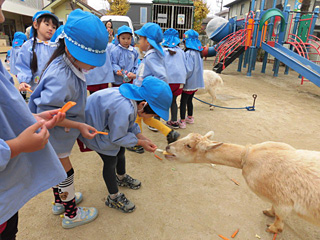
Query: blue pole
[(274, 3), (240, 62), (264, 64), (262, 5), (314, 20), (252, 5), (253, 47)]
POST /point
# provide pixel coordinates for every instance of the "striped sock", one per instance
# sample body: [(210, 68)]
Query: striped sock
[(67, 195)]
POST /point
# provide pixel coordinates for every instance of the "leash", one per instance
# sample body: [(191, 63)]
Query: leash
[(249, 108)]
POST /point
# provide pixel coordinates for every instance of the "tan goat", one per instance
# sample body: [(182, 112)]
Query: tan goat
[(286, 177)]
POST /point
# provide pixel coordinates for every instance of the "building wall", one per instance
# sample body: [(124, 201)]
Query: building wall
[(235, 10), (134, 14), (38, 4)]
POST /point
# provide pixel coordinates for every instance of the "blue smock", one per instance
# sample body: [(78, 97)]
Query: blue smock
[(107, 110), (44, 51), (124, 58), (194, 66), (175, 65), (28, 174), (151, 65), (5, 73), (103, 74), (61, 82), (13, 60)]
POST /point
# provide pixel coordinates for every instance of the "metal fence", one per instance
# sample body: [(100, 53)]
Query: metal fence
[(179, 17)]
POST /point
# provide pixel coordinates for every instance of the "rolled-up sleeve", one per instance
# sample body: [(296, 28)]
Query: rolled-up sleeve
[(5, 154)]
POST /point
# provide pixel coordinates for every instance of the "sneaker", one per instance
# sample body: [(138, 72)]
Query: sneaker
[(129, 182), (182, 124), (58, 208), (136, 148), (172, 124), (121, 203), (172, 136), (153, 129), (84, 215), (190, 120)]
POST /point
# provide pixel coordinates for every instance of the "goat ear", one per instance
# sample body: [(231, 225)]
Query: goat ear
[(213, 145), (210, 135)]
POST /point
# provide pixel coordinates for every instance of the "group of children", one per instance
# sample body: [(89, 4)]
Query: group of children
[(61, 68)]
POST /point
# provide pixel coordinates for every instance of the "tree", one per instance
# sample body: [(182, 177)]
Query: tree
[(200, 12), (118, 7)]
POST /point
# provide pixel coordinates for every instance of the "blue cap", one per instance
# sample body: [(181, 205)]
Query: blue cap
[(124, 29), (57, 33), (86, 44), (171, 38), (156, 92), (192, 40), (8, 53), (18, 39), (39, 14), (154, 35)]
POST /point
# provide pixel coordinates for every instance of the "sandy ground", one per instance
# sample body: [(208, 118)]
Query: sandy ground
[(196, 201)]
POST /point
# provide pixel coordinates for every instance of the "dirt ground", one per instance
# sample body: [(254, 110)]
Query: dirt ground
[(196, 201)]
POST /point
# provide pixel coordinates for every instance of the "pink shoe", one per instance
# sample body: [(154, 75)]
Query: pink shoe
[(190, 120), (182, 123)]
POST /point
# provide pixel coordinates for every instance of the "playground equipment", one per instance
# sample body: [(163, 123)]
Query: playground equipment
[(286, 35)]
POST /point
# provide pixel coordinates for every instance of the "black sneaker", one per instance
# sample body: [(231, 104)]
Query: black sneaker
[(121, 203), (137, 149), (129, 182), (172, 136)]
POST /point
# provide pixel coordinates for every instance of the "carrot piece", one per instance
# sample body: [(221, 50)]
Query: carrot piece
[(224, 238), (157, 156), (29, 90), (235, 233), (67, 106), (104, 133), (235, 181), (275, 236)]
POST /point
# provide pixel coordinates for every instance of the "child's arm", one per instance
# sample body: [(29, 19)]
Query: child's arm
[(86, 130), (51, 117), (189, 64), (29, 140), (146, 143), (23, 64), (114, 62)]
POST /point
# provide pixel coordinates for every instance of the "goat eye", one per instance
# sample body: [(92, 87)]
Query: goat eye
[(188, 146)]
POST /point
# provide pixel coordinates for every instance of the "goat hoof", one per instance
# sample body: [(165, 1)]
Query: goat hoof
[(268, 213), (272, 229), (211, 108)]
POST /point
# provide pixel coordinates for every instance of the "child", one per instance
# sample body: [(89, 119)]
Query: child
[(109, 27), (63, 80), (194, 81), (152, 65), (175, 63), (18, 39), (35, 53), (100, 77), (27, 160), (114, 110), (124, 58)]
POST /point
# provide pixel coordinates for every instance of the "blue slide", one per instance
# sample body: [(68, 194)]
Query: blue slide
[(305, 67)]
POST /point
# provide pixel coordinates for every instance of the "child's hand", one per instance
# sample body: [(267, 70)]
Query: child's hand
[(147, 145), (51, 118), (131, 75), (119, 73), (30, 141), (87, 131), (23, 86)]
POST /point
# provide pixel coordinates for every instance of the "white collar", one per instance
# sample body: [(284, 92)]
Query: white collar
[(76, 71), (48, 43), (130, 48), (150, 51)]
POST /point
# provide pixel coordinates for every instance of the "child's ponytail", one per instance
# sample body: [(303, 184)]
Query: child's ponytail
[(34, 61)]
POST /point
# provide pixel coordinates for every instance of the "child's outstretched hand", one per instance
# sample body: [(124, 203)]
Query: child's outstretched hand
[(29, 140), (131, 75), (147, 145), (87, 131), (51, 117), (23, 86), (119, 73)]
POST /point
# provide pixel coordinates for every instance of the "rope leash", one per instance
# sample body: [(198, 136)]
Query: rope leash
[(249, 108)]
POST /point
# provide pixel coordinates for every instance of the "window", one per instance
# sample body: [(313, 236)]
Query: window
[(241, 9), (143, 15)]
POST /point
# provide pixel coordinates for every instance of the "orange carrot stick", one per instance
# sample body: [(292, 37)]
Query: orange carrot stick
[(235, 233), (157, 156), (235, 181), (67, 106), (224, 238), (275, 236), (29, 90), (104, 133)]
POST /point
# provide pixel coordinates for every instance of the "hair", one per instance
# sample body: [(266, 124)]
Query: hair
[(147, 109), (34, 61), (109, 22)]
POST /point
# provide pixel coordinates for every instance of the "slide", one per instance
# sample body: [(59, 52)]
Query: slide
[(306, 68)]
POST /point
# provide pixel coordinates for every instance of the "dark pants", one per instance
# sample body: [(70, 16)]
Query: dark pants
[(174, 109), (9, 233), (186, 102), (113, 164)]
